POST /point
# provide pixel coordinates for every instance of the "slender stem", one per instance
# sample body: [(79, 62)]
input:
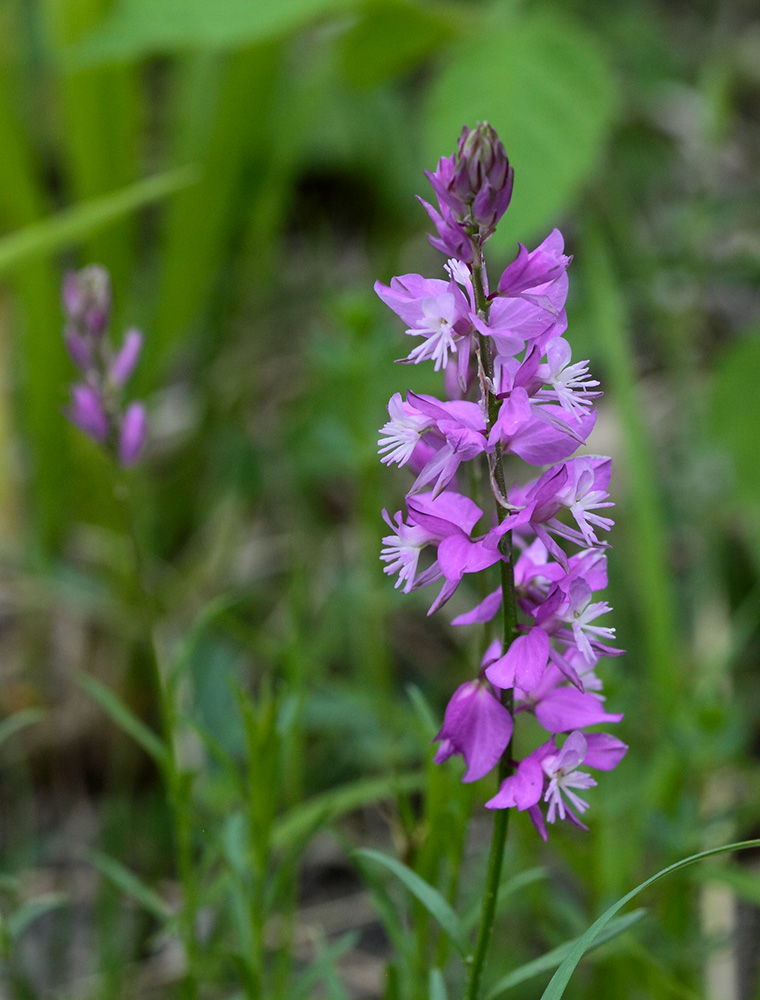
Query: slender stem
[(175, 784), (509, 613)]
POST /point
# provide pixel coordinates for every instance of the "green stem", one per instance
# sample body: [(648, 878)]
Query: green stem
[(173, 778), (509, 620)]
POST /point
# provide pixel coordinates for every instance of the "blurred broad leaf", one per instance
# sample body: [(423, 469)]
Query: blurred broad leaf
[(394, 35), (138, 28), (545, 85)]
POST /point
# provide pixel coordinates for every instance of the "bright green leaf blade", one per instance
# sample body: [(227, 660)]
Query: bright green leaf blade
[(392, 36), (430, 898), (76, 224), (554, 957), (130, 884), (19, 720), (124, 718), (138, 28), (32, 910), (544, 84), (561, 977), (437, 985), (330, 805)]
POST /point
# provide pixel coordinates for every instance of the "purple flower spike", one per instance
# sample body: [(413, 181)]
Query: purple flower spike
[(134, 428), (96, 406), (124, 363), (87, 412), (513, 396), (477, 726)]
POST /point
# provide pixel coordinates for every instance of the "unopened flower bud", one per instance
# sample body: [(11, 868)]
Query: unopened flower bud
[(88, 413), (483, 177), (134, 427), (87, 299), (474, 186), (124, 362)]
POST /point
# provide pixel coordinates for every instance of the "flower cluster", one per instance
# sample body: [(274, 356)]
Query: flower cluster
[(95, 406), (514, 395)]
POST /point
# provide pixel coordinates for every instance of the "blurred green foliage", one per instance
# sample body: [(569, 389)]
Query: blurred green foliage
[(246, 170)]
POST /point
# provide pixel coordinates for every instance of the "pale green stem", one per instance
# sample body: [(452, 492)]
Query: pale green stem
[(509, 612), (182, 827)]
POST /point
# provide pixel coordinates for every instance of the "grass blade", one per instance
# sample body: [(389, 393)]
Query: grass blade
[(561, 977), (19, 720), (124, 718), (557, 955), (438, 985), (336, 803), (25, 915), (79, 222), (130, 884), (430, 898)]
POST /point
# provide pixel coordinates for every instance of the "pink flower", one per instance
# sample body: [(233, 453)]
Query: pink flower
[(477, 726)]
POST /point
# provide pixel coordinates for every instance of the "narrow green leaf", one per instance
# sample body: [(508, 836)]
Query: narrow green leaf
[(561, 977), (130, 884), (79, 222), (124, 718), (324, 965), (388, 909), (554, 957), (139, 28), (32, 910), (209, 614), (545, 85), (430, 898), (342, 800), (437, 985), (423, 710), (19, 720)]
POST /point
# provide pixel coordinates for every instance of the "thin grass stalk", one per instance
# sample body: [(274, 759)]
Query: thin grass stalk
[(177, 783)]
